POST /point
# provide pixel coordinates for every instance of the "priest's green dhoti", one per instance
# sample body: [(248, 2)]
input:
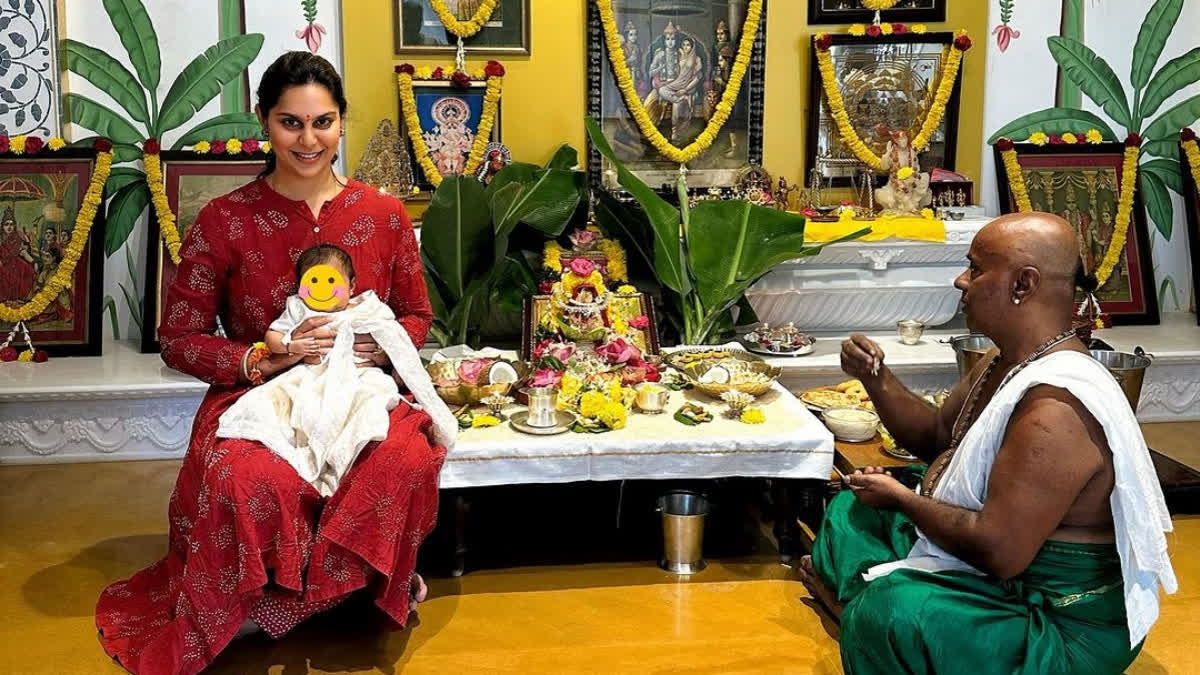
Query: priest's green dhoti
[(1064, 614)]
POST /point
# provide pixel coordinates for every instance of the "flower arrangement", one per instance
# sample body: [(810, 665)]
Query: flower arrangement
[(1192, 151), (493, 72), (612, 268), (63, 276), (1129, 167), (933, 117), (29, 145), (612, 38)]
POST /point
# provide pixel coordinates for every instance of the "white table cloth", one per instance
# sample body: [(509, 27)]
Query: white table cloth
[(792, 443)]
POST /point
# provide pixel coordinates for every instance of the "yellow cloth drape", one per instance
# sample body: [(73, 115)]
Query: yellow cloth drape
[(913, 227)]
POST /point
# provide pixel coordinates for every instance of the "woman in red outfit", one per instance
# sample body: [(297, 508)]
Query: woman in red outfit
[(249, 539)]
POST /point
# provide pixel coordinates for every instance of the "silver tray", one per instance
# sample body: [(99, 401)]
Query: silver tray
[(563, 420), (801, 351), (672, 359)]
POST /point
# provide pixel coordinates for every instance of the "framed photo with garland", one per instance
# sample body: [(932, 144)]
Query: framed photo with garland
[(680, 66), (887, 84), (1082, 183), (536, 307), (449, 118), (1189, 160), (856, 11), (41, 196), (419, 30), (192, 179)]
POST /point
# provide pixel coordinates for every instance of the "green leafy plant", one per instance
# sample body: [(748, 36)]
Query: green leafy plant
[(707, 256), (1095, 78), (198, 83), (470, 266)]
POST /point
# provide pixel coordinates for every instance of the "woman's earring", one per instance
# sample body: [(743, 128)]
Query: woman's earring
[(1016, 301)]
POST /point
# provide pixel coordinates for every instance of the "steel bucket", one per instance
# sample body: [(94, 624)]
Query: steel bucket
[(683, 531), (969, 350), (1128, 369)]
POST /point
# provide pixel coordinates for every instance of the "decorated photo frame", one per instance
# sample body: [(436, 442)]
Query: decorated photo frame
[(1189, 163), (1081, 183), (449, 116), (855, 11), (191, 180), (627, 306), (687, 98), (860, 63), (417, 29), (41, 197)]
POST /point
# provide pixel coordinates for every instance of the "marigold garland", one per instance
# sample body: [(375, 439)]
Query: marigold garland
[(158, 196), (1129, 166), (837, 106), (878, 5), (464, 29), (483, 133), (612, 39), (1192, 151), (62, 278)]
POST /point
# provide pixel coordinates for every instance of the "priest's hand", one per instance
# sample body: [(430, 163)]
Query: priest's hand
[(861, 357), (875, 486)]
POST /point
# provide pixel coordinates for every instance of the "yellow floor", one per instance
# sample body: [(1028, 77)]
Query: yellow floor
[(65, 531)]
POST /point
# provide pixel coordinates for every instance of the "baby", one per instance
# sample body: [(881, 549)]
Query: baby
[(319, 416)]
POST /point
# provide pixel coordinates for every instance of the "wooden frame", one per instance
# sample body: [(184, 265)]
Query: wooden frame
[(440, 89), (816, 97), (1191, 202), (514, 39), (820, 12), (71, 324), (604, 98), (534, 305), (230, 171), (1141, 305)]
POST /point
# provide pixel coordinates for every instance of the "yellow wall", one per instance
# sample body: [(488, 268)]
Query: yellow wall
[(543, 101)]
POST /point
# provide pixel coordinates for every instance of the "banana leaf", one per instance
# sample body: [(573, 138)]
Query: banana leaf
[(1151, 39), (1093, 75), (110, 76), (133, 25), (203, 78), (457, 236), (1178, 73), (1053, 121), (546, 199), (669, 263)]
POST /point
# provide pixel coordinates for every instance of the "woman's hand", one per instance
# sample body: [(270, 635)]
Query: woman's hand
[(365, 347)]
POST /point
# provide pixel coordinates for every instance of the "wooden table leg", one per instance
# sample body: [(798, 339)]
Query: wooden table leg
[(785, 517)]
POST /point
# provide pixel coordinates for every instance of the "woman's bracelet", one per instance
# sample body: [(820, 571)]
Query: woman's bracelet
[(257, 353)]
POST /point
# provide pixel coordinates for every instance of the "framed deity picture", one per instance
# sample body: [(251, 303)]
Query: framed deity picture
[(536, 308), (419, 30), (449, 119), (1191, 201), (853, 11), (192, 180), (887, 84), (1082, 183), (680, 60), (40, 197)]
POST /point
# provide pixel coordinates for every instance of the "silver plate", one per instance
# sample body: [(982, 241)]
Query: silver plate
[(901, 453), (802, 351), (563, 421)]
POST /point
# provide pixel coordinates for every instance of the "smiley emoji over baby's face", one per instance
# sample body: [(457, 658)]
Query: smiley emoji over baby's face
[(324, 288)]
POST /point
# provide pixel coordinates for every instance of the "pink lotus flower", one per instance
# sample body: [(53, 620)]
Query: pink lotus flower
[(312, 36), (582, 267), (470, 370), (1004, 35), (639, 322), (618, 351), (582, 239), (559, 350), (546, 377)]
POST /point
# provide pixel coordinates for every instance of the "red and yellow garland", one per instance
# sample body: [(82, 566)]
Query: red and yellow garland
[(493, 71), (951, 62), (1129, 166), (1187, 138)]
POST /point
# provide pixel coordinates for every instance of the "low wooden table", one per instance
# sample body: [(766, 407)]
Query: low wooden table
[(849, 457)]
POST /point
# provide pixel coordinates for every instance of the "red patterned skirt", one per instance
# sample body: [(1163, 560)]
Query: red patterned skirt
[(249, 539)]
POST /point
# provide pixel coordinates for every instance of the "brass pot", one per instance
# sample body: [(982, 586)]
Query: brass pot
[(464, 394)]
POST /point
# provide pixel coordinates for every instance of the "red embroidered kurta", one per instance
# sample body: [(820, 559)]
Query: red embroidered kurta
[(248, 537)]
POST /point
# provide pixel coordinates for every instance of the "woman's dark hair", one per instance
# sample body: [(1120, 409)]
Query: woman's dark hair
[(296, 69), (324, 254), (1087, 282)]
